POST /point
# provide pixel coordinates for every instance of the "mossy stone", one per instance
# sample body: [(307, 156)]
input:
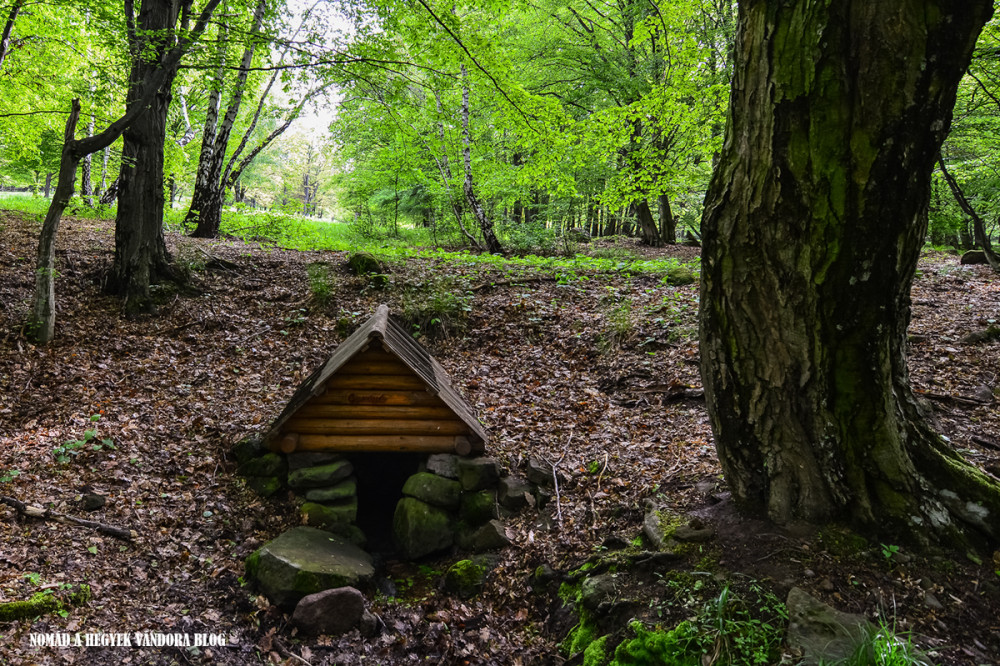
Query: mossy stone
[(343, 490), (300, 459), (420, 529), (305, 560), (491, 536), (265, 486), (248, 448), (680, 276), (514, 492), (341, 513), (478, 473), (321, 475), (270, 464), (433, 489), (364, 263), (478, 508), (465, 578), (42, 603), (39, 604)]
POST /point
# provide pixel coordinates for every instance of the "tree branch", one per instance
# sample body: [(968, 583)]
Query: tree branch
[(496, 84)]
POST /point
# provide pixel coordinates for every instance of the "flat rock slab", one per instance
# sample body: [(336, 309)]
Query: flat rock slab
[(822, 633), (305, 560), (322, 475)]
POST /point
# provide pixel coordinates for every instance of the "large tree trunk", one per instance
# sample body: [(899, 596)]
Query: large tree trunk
[(141, 255), (813, 226), (668, 223), (648, 230)]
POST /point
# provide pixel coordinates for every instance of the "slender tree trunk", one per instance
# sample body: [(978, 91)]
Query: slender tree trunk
[(812, 229), (493, 245), (444, 167), (106, 156), (111, 194), (212, 198), (44, 317), (86, 186), (978, 226), (203, 181), (8, 28)]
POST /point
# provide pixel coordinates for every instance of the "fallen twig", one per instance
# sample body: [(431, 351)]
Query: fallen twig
[(555, 480), (287, 653), (219, 262), (507, 283), (988, 443), (47, 514), (605, 469), (944, 397)]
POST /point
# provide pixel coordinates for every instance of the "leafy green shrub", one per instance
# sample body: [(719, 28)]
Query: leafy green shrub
[(440, 305), (320, 283), (612, 252), (525, 239)]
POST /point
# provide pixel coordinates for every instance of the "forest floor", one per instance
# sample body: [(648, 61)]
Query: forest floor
[(597, 372)]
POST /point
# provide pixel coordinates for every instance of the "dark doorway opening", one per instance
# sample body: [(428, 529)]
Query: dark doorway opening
[(380, 478)]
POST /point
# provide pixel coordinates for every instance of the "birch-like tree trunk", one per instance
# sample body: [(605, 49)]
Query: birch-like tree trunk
[(209, 195), (86, 185), (203, 176), (493, 245), (8, 28)]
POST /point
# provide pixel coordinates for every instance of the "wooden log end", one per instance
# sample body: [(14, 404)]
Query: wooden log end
[(289, 442), (463, 446)]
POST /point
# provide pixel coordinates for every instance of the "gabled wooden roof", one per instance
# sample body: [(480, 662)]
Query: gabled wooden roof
[(382, 331)]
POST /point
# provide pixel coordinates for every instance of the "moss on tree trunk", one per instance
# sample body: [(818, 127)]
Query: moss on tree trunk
[(813, 226)]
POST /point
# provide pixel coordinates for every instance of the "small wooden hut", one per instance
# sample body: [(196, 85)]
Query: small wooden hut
[(379, 391)]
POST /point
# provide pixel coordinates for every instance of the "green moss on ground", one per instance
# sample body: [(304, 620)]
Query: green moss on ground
[(43, 603)]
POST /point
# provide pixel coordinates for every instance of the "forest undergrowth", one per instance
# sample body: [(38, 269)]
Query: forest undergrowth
[(592, 367)]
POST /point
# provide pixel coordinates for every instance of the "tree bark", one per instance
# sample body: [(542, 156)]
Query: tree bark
[(446, 176), (668, 223), (647, 225), (203, 177), (812, 229), (105, 156), (8, 28), (86, 185), (44, 313), (141, 255)]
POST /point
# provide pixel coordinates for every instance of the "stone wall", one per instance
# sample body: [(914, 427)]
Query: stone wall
[(448, 501)]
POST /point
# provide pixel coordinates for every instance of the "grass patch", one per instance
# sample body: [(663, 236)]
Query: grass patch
[(294, 232), (883, 646), (439, 306)]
